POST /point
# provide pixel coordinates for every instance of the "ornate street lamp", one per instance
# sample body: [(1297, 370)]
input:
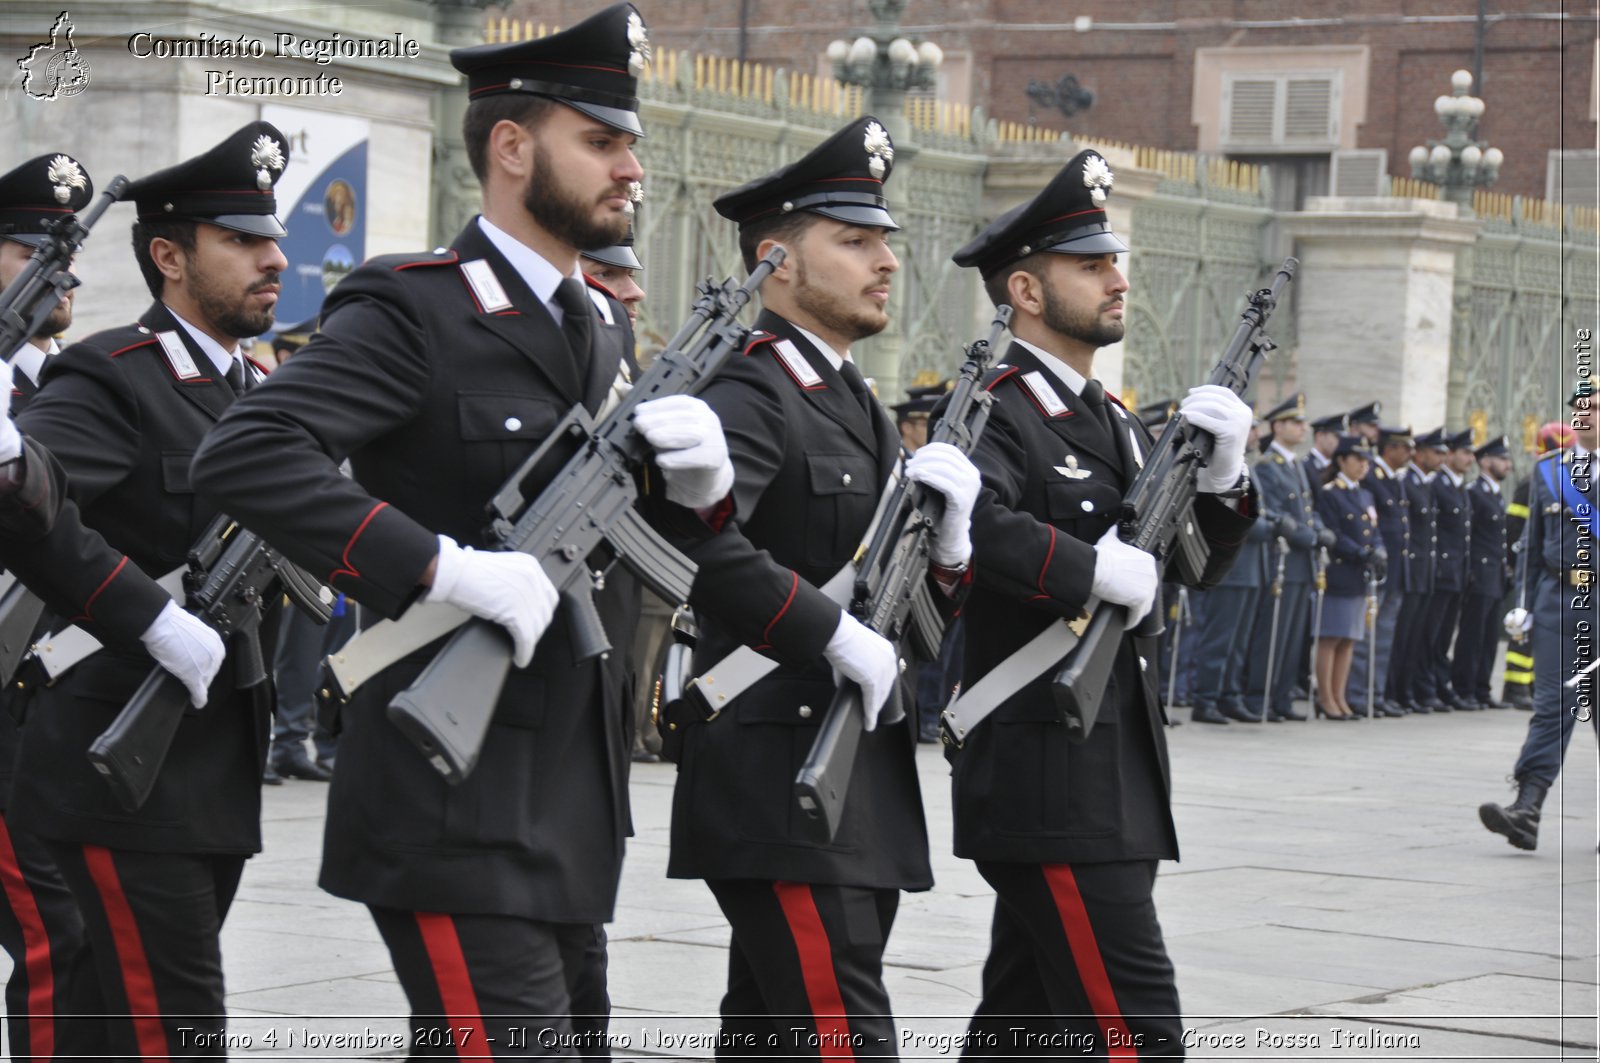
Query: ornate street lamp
[(1460, 162), (885, 62)]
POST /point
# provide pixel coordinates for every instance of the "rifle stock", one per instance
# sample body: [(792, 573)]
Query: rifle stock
[(20, 610), (233, 577), (891, 592), (447, 711), (1155, 515)]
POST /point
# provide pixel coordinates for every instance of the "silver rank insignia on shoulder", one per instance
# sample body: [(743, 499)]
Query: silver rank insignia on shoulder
[(1071, 471), (485, 285), (178, 355), (1044, 394), (797, 363)]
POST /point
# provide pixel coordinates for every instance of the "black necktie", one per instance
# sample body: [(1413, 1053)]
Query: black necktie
[(858, 388), (575, 320), (1094, 396), (236, 376)]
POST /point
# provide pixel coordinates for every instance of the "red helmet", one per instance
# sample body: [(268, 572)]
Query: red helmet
[(1555, 435)]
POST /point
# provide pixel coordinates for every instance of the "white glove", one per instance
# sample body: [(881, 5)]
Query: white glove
[(1518, 622), (946, 470), (1125, 575), (508, 588), (10, 438), (690, 449), (186, 647), (866, 658), (1223, 414)]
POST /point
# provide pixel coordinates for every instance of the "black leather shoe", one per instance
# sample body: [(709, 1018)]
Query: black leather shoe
[(1435, 705), (1239, 713), (271, 778), (294, 764), (1287, 714), (1207, 714), (1458, 703), (1415, 707), (326, 764), (1495, 703)]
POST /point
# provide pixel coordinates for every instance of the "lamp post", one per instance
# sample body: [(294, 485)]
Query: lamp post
[(886, 64), (1460, 162)]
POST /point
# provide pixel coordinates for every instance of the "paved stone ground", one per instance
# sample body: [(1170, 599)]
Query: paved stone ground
[(1336, 892)]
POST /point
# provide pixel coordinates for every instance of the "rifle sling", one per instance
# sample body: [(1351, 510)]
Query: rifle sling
[(1037, 656), (60, 650)]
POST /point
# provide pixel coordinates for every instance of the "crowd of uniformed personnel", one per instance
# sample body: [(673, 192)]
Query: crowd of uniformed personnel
[(1375, 536), (367, 458)]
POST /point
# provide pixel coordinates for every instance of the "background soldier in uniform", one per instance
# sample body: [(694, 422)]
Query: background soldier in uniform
[(1407, 682), (812, 452), (436, 375), (1454, 530), (52, 973), (1557, 571), (123, 411), (1488, 576), (1383, 483), (1282, 482), (1069, 834)]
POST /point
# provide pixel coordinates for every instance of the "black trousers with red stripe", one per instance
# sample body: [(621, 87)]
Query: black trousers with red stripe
[(52, 972), (154, 922), (1077, 966), (496, 985), (805, 971)]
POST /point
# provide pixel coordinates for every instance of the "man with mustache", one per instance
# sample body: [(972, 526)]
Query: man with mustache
[(123, 411), (437, 375), (1069, 834), (812, 450)]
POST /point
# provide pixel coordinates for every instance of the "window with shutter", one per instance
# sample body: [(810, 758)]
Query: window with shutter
[(1360, 173), (1251, 109), (1282, 110), (1308, 110), (1573, 178)]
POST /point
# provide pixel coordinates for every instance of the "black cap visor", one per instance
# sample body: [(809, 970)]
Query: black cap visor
[(620, 256), (254, 224), (615, 117)]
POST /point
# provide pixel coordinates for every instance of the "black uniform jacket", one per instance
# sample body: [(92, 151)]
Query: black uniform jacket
[(1389, 497), (436, 390), (809, 467), (1487, 571), (1422, 511), (1022, 791), (1350, 512), (1452, 528), (123, 412)]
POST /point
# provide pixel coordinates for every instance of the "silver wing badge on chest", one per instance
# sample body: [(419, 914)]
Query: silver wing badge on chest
[(1071, 471)]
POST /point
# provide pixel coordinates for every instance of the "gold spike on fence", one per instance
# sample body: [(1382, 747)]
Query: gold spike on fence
[(1586, 218), (1412, 188), (1491, 205)]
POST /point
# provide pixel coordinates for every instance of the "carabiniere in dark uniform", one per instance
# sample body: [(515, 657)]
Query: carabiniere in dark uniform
[(124, 411), (1454, 530), (1488, 579), (1408, 682), (1069, 834)]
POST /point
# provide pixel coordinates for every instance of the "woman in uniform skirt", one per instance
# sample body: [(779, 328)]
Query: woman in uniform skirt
[(1347, 509)]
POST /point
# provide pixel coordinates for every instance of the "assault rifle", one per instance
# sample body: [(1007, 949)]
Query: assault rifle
[(446, 711), (1156, 517), (891, 594), (33, 295), (233, 577)]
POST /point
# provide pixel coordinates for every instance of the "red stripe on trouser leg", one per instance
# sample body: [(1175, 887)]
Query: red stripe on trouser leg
[(36, 944), (443, 945), (816, 968), (1086, 957), (137, 983)]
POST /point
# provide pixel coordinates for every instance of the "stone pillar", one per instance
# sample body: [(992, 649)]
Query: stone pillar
[(456, 196), (1375, 295)]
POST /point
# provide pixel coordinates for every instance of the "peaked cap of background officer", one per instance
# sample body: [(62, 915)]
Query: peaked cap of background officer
[(592, 67), (41, 191), (1068, 217), (1498, 447), (1583, 389), (1367, 414), (1353, 445), (842, 178), (1152, 414), (621, 255), (1291, 409), (1337, 423), (229, 186), (1462, 440), (1394, 433), (296, 335), (1434, 440)]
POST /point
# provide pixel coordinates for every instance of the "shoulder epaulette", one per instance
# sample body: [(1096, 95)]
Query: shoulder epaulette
[(997, 374), (439, 256), (757, 338)]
